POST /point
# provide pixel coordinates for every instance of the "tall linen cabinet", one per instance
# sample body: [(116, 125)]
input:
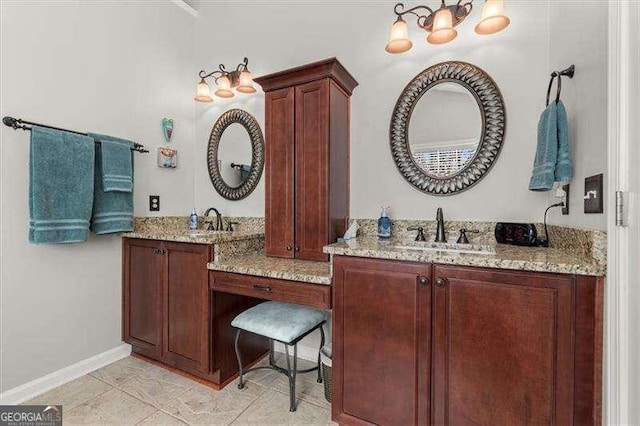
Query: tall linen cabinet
[(307, 112)]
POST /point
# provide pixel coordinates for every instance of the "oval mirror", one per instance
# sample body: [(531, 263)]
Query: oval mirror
[(235, 155), (445, 129)]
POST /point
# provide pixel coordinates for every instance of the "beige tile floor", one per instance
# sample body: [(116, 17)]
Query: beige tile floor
[(132, 391)]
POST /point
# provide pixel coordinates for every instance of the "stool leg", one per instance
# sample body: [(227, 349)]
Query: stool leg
[(293, 379), (271, 360), (240, 383), (291, 375), (321, 345)]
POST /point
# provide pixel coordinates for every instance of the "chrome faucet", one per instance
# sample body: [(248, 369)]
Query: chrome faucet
[(219, 225), (440, 235)]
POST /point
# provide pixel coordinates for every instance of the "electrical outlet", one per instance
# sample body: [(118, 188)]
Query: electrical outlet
[(565, 208), (154, 203)]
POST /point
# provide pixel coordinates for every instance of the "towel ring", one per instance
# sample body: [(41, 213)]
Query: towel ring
[(559, 87)]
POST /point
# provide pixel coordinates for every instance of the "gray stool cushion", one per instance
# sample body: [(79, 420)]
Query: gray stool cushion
[(284, 322)]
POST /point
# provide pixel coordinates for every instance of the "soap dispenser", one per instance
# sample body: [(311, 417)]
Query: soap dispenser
[(193, 220), (384, 224)]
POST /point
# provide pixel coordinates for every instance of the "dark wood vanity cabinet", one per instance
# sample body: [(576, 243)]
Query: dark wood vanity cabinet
[(473, 346), (306, 159), (381, 342), (166, 301)]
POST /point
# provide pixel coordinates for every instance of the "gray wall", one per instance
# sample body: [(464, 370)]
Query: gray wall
[(519, 59), (107, 67)]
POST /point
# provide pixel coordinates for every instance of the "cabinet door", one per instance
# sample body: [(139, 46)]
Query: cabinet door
[(142, 296), (312, 170), (186, 306), (279, 171), (381, 342), (502, 347)]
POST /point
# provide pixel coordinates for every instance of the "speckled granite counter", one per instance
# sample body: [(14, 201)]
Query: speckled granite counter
[(506, 257), (196, 237), (273, 267)]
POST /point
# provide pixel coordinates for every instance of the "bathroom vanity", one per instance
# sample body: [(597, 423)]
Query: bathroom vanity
[(439, 337)]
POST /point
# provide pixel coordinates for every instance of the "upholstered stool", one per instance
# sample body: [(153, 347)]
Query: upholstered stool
[(285, 323)]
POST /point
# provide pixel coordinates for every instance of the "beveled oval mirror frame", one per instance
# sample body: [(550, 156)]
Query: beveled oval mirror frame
[(493, 115), (252, 127)]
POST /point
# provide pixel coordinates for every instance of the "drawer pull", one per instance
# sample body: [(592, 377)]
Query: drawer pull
[(423, 280), (265, 288), (441, 282)]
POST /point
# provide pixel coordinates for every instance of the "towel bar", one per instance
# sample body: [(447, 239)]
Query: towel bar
[(18, 123)]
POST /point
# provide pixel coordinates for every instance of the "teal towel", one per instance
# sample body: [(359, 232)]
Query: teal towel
[(117, 165), (61, 167), (112, 210), (553, 158), (564, 164)]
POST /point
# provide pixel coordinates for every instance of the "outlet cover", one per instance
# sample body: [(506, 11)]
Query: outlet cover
[(154, 203), (593, 194), (565, 209)]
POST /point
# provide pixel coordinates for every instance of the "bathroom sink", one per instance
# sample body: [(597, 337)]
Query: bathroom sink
[(448, 247)]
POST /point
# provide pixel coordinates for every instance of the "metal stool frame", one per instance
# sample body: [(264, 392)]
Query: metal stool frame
[(289, 371)]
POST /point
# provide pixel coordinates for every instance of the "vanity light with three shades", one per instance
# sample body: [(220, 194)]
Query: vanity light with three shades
[(440, 24)]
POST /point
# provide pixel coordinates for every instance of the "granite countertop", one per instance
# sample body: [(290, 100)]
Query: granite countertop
[(537, 259), (272, 267), (197, 237)]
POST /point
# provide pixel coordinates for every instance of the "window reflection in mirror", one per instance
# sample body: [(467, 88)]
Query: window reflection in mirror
[(234, 155), (445, 130)]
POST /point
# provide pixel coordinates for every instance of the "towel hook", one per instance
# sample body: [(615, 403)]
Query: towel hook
[(568, 72)]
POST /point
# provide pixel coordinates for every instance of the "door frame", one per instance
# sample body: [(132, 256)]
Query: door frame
[(617, 331)]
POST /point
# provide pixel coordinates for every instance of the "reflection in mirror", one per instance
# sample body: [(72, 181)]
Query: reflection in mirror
[(445, 130), (234, 155)]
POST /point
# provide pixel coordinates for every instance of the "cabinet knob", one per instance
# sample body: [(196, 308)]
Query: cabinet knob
[(423, 280), (297, 248), (157, 251), (288, 248), (441, 282)]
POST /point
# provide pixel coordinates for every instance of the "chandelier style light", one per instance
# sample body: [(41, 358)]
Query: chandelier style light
[(440, 24), (239, 79)]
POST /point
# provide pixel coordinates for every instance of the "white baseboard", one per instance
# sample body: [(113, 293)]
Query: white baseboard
[(44, 384)]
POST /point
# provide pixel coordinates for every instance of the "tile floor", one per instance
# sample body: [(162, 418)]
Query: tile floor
[(131, 391)]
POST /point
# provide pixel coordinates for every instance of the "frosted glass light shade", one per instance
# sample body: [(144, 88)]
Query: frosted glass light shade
[(493, 18), (223, 88), (202, 92), (443, 31), (399, 39), (245, 84)]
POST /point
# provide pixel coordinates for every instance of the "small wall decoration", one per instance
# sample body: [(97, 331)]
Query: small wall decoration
[(167, 128), (167, 157)]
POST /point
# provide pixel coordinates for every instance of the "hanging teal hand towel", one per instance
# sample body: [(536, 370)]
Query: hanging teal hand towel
[(112, 209), (547, 152), (117, 164), (61, 167), (564, 164)]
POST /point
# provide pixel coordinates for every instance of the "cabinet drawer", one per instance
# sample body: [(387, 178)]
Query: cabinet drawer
[(316, 295)]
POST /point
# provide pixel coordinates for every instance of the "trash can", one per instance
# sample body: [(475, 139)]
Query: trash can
[(325, 361)]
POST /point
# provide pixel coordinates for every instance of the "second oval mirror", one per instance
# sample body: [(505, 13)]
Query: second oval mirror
[(445, 130), (234, 155)]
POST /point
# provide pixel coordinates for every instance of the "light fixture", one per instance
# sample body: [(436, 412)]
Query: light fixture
[(440, 24), (493, 18), (240, 79)]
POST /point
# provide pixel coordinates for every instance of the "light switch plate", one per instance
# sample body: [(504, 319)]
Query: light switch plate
[(154, 203), (593, 194)]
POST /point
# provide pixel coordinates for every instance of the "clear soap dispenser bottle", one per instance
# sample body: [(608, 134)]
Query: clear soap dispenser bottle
[(384, 224)]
